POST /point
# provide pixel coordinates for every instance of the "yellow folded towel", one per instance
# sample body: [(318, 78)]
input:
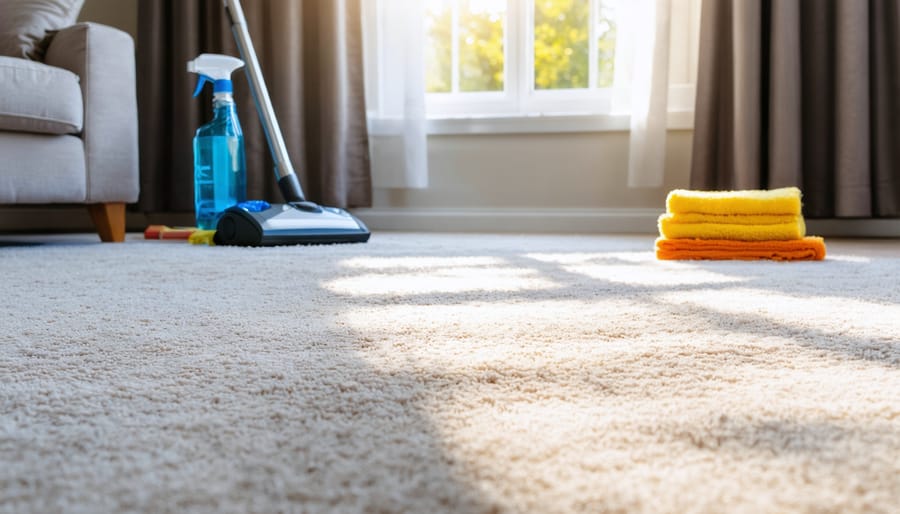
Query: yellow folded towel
[(671, 226), (776, 201), (810, 248), (735, 219)]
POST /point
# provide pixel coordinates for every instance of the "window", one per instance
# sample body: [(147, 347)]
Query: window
[(519, 56), (530, 58)]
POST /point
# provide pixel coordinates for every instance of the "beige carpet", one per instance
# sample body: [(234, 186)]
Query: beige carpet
[(438, 373)]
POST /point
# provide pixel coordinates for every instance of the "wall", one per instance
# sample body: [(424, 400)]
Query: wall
[(563, 170), (532, 182)]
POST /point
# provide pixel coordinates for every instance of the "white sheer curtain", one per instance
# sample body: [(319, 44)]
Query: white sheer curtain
[(642, 85), (395, 92)]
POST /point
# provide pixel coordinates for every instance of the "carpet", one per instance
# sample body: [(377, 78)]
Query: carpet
[(447, 373)]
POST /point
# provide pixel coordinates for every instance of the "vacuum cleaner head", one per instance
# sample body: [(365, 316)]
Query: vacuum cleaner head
[(252, 224)]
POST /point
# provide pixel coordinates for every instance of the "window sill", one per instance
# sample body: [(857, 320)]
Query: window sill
[(529, 124)]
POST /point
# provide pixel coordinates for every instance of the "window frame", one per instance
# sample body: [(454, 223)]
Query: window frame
[(519, 96)]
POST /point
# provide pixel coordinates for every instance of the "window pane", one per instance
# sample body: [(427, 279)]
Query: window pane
[(481, 45), (606, 44), (561, 43), (438, 46)]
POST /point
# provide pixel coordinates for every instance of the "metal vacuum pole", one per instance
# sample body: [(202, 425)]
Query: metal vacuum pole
[(284, 170)]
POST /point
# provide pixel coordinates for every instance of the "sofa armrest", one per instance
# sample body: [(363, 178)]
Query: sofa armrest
[(103, 57)]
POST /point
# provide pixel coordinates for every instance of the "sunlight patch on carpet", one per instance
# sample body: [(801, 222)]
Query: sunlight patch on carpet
[(587, 439), (637, 268), (849, 258), (441, 280), (416, 263), (582, 257), (486, 334), (671, 274), (827, 315)]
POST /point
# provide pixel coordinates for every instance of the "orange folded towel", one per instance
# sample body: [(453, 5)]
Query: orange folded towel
[(810, 248)]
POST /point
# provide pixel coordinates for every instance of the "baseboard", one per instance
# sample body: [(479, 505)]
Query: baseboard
[(538, 220), (881, 228), (24, 219), (609, 221)]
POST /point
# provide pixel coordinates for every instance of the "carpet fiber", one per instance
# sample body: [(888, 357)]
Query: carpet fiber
[(435, 373)]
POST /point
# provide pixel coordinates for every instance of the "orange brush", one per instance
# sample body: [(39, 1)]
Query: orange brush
[(165, 232)]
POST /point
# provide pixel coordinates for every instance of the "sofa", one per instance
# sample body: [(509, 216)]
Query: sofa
[(68, 126)]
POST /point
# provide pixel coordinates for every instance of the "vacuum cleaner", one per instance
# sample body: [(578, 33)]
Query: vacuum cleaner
[(297, 220)]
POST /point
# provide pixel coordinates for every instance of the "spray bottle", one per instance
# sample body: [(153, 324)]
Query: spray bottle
[(220, 168)]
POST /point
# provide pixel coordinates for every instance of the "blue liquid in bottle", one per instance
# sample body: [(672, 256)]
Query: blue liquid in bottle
[(220, 169)]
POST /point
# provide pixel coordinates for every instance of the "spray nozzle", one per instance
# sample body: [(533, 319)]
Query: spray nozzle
[(215, 69)]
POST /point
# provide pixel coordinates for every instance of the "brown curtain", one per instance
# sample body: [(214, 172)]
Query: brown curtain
[(310, 52), (803, 93)]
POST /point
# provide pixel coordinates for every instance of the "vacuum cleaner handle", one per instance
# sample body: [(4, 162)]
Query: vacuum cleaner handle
[(284, 170)]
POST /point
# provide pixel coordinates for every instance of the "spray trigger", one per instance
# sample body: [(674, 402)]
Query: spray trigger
[(215, 69), (202, 82)]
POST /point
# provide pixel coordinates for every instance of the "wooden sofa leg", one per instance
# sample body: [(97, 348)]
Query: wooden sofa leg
[(109, 218)]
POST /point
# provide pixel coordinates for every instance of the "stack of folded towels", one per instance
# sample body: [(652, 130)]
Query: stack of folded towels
[(744, 225)]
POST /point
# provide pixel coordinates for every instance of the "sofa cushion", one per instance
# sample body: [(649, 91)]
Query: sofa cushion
[(38, 98), (42, 169), (25, 23)]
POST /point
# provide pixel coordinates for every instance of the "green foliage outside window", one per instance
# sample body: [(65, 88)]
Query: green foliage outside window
[(561, 45), (480, 49)]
